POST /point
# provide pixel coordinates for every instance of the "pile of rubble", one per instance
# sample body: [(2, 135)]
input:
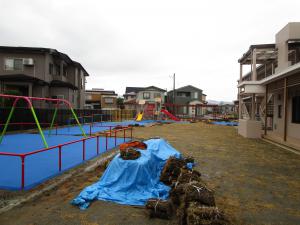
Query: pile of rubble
[(190, 200)]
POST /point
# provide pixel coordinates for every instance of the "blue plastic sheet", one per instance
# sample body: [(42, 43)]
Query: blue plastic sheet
[(225, 123), (132, 182)]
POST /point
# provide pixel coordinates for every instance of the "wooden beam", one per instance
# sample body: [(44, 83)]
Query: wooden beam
[(266, 110), (285, 105)]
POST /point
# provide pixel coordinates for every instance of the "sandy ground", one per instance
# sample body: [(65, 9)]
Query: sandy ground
[(254, 182)]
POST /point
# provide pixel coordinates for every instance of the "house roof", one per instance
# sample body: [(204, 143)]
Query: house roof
[(138, 89), (184, 88), (51, 51)]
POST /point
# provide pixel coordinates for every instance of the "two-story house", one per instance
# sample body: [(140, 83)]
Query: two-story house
[(185, 99), (269, 95), (148, 99), (101, 99), (42, 72)]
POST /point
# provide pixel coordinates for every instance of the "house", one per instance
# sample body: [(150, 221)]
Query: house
[(148, 99), (186, 98), (42, 72), (101, 99), (269, 95)]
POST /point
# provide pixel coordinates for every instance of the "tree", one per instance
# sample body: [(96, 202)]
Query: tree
[(120, 102)]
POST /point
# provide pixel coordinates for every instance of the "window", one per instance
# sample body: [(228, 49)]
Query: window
[(57, 70), (184, 111), (279, 111), (82, 80), (146, 95), (64, 70), (13, 64), (157, 95), (109, 100), (296, 109), (184, 94), (51, 68), (195, 94)]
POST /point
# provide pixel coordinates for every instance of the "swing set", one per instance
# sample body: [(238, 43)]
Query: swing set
[(29, 100)]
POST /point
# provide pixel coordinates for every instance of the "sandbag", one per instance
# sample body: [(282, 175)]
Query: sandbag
[(187, 176), (171, 170), (130, 154), (197, 192), (197, 214), (159, 208)]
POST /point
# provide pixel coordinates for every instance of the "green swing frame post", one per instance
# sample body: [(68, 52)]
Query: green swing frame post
[(17, 98), (53, 119)]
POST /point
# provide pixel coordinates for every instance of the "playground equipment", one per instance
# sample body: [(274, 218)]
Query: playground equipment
[(170, 115), (139, 116), (193, 111), (29, 100)]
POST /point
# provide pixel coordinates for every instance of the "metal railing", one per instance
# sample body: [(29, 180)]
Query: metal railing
[(108, 134)]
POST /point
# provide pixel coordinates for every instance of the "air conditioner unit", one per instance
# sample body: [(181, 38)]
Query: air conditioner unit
[(28, 62)]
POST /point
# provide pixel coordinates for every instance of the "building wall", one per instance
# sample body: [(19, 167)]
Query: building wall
[(185, 100), (139, 95), (105, 105), (293, 129), (38, 70), (290, 31)]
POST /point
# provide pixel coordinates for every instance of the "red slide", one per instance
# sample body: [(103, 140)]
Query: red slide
[(170, 115)]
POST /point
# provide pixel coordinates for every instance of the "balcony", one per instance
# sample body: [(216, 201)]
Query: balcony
[(252, 87)]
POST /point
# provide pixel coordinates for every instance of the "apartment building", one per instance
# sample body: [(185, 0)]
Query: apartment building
[(269, 95), (42, 72), (101, 99)]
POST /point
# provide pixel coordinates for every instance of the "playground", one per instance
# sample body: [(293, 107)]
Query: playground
[(31, 156), (253, 183)]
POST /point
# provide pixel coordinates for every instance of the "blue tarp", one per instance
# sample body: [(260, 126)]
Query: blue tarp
[(226, 123), (132, 182)]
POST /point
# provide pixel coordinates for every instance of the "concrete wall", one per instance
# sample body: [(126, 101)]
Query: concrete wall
[(290, 31)]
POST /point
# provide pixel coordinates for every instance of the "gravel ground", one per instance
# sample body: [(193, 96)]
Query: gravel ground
[(254, 182)]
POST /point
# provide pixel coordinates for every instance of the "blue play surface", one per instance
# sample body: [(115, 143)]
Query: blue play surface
[(44, 165), (96, 127), (226, 123)]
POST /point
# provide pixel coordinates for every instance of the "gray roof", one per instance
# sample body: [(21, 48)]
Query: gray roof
[(138, 89), (184, 88)]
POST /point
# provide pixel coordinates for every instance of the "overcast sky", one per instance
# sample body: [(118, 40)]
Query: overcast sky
[(141, 43)]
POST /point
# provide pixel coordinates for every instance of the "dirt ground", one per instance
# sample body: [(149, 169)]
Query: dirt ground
[(254, 182)]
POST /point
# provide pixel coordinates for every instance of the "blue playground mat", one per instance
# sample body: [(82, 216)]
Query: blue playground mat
[(225, 123), (44, 165)]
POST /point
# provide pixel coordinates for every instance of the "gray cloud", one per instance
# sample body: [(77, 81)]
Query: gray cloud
[(134, 42)]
